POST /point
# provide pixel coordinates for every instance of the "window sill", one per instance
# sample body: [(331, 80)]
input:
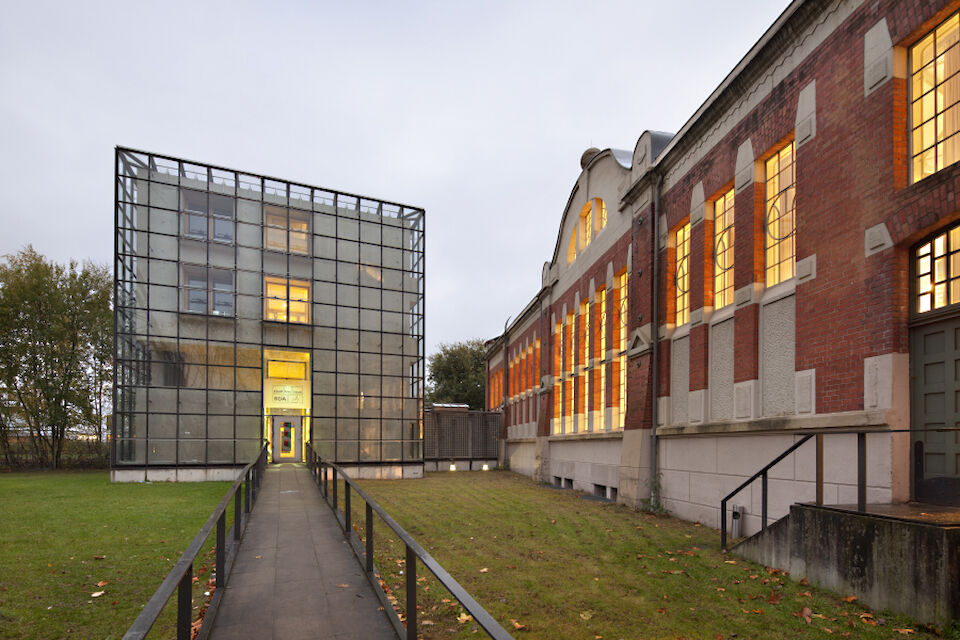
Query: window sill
[(204, 314), (616, 434), (779, 291), (780, 424)]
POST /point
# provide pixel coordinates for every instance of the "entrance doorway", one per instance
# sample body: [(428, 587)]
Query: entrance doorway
[(287, 438), (286, 403), (935, 411)]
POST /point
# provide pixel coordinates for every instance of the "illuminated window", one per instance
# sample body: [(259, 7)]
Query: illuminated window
[(584, 382), (934, 94), (938, 271), (593, 218), (585, 225), (286, 300), (569, 351), (622, 346), (286, 229), (779, 220), (207, 290), (682, 275), (536, 364), (290, 370), (557, 375), (207, 215), (599, 353), (723, 250)]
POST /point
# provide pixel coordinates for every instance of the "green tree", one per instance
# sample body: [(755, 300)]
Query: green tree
[(456, 374), (55, 323)]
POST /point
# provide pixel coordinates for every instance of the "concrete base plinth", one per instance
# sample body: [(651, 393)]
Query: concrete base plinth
[(908, 566)]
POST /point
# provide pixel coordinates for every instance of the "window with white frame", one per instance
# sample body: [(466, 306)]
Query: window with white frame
[(207, 216), (207, 290)]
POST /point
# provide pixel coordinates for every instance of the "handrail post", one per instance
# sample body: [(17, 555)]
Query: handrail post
[(323, 477), (763, 493), (820, 469), (246, 493), (369, 538), (723, 525), (336, 499), (346, 507), (411, 568), (222, 550), (185, 604), (861, 472), (236, 512)]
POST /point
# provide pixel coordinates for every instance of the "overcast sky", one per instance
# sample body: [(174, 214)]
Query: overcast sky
[(477, 112)]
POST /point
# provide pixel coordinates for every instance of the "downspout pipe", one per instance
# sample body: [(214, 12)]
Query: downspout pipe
[(655, 338)]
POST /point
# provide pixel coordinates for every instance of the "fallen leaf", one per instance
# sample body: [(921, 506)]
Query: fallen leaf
[(904, 632), (102, 583), (518, 626), (774, 597), (805, 594), (730, 561), (803, 581), (97, 594), (805, 613), (662, 610), (343, 586), (484, 570), (586, 615), (97, 557), (463, 617), (827, 630), (426, 622), (849, 598)]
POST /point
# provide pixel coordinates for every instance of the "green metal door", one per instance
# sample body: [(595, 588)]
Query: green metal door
[(935, 411)]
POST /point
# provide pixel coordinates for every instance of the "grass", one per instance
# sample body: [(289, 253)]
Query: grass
[(548, 564), (62, 533)]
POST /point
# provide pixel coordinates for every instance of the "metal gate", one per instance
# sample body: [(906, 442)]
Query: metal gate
[(450, 434)]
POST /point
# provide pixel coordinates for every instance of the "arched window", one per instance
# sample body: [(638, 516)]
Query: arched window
[(592, 219)]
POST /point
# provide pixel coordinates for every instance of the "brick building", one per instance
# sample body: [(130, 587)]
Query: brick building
[(787, 263)]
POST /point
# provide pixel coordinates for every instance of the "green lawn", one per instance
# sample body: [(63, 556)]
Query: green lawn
[(62, 533), (548, 564)]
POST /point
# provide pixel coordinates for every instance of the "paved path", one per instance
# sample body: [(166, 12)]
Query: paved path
[(292, 561)]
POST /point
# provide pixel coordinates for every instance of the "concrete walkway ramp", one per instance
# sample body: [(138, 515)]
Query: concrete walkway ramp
[(295, 575)]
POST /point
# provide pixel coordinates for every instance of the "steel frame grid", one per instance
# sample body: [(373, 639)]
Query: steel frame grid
[(127, 251)]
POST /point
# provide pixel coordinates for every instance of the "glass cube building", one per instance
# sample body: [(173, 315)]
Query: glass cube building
[(251, 310)]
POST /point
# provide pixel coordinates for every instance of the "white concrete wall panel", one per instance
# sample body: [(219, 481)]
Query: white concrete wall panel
[(522, 457), (680, 379), (778, 348), (721, 370)]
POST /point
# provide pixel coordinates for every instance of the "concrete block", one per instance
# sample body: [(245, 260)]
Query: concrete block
[(161, 475), (413, 471), (877, 57), (675, 485), (691, 454), (128, 475), (223, 474)]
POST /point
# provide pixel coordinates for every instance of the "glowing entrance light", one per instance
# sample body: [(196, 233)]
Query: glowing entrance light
[(453, 467), (486, 467)]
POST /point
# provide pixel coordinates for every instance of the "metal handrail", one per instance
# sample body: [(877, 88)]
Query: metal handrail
[(364, 553), (861, 471), (181, 575)]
